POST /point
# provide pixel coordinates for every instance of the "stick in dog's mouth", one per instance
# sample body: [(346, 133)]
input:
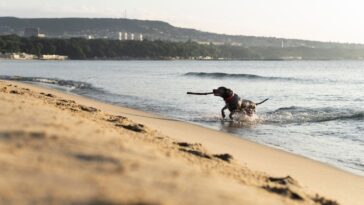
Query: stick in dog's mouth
[(195, 93)]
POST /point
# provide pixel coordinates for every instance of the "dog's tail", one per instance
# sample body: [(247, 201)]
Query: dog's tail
[(261, 102)]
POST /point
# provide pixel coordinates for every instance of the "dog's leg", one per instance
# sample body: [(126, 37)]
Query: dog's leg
[(223, 112), (231, 115)]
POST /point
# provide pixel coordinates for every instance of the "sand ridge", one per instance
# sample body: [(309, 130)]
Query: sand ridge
[(55, 150)]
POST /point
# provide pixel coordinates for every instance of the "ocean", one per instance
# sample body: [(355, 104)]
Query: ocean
[(315, 108)]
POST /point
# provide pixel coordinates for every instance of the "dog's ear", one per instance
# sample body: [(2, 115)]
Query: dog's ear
[(229, 91)]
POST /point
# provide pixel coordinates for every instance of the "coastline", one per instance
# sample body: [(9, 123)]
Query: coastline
[(182, 59), (313, 176)]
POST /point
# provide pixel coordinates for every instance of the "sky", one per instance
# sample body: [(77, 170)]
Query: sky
[(324, 20)]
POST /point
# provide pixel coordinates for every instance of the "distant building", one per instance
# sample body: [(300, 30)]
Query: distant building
[(30, 32), (53, 57), (33, 32), (120, 36), (26, 56), (124, 36), (5, 30), (18, 56)]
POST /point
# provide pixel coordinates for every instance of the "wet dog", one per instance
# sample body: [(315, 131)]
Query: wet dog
[(234, 103)]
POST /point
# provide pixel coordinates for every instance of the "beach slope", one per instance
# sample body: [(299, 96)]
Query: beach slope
[(57, 148)]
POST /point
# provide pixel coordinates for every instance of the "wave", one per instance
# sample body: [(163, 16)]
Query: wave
[(294, 114), (237, 76), (52, 81), (89, 90)]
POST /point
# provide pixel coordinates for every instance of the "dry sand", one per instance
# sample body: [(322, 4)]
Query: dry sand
[(57, 148)]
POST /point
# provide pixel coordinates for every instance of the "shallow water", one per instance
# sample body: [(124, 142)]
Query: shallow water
[(315, 108)]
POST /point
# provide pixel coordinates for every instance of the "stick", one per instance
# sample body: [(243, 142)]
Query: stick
[(192, 93)]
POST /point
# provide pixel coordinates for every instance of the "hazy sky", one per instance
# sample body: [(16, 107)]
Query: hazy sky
[(327, 20)]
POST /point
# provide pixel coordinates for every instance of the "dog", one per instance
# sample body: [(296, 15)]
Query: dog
[(234, 103)]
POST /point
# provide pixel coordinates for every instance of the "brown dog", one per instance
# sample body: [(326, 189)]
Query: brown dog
[(234, 103)]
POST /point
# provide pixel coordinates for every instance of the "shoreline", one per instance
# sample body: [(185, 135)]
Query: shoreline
[(315, 176), (198, 60), (47, 86)]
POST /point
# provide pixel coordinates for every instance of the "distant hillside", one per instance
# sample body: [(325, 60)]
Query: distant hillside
[(152, 30)]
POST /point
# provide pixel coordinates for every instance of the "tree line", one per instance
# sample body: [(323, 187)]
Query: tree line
[(80, 48)]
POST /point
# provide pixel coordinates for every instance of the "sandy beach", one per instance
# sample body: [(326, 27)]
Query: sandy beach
[(60, 148)]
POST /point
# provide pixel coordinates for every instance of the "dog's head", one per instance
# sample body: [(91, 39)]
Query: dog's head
[(222, 92)]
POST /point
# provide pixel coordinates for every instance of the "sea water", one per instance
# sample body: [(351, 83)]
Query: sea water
[(315, 108)]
